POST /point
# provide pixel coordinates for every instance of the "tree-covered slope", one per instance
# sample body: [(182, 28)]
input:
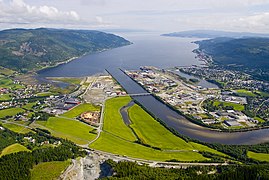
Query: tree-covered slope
[(25, 49), (248, 54), (213, 34)]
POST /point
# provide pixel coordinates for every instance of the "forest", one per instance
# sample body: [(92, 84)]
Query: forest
[(17, 165), (131, 170)]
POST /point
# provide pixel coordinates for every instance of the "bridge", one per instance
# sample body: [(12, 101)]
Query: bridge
[(140, 94)]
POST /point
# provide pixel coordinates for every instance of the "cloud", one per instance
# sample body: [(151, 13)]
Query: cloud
[(93, 2), (99, 19), (255, 22), (18, 11), (163, 15), (261, 19)]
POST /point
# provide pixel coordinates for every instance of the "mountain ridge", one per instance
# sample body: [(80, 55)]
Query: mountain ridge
[(28, 49), (250, 55), (214, 34)]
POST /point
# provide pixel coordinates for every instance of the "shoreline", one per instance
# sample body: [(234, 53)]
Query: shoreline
[(193, 120), (36, 71)]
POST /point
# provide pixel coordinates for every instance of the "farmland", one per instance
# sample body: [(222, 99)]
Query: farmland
[(116, 145), (17, 128), (13, 149), (8, 83), (258, 156), (5, 71), (10, 112), (157, 143), (29, 106), (152, 132), (73, 130), (113, 120), (80, 109), (44, 94), (5, 97), (49, 170)]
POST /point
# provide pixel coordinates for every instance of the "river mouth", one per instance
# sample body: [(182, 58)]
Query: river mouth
[(161, 52), (180, 124)]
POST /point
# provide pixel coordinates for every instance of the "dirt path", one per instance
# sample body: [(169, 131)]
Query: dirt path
[(87, 168)]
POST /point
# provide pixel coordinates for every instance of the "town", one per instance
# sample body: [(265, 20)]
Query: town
[(23, 104), (211, 106)]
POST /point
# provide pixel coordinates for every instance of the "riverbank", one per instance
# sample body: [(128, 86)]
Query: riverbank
[(170, 97), (183, 126)]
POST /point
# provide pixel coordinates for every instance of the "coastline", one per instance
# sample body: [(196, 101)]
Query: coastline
[(191, 119), (36, 71)]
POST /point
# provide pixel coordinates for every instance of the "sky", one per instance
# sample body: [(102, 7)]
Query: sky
[(149, 15)]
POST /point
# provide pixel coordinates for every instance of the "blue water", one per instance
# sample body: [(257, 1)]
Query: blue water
[(203, 83), (162, 52), (146, 50)]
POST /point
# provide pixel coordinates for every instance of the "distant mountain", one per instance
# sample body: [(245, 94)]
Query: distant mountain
[(124, 30), (245, 54), (27, 49), (213, 34)]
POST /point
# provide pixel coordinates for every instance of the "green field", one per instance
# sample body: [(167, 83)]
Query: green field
[(244, 92), (263, 94), (8, 83), (10, 112), (5, 97), (115, 145), (17, 128), (49, 170), (258, 156), (75, 81), (152, 132), (113, 120), (259, 119), (201, 147), (73, 130), (29, 106), (149, 131), (78, 110), (44, 94), (13, 149), (237, 107), (6, 72)]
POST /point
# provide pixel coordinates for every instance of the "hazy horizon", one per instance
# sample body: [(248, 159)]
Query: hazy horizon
[(157, 15)]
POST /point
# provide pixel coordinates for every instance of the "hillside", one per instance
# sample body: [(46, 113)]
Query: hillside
[(246, 54), (27, 49), (213, 34)]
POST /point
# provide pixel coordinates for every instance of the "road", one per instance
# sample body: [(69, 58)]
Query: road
[(68, 170), (25, 126), (100, 128), (88, 88), (267, 100), (152, 163)]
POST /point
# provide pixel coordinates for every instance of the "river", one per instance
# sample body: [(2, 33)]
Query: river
[(181, 124), (161, 52)]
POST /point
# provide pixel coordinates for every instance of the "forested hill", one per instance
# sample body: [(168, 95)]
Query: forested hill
[(214, 34), (26, 49), (246, 54)]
